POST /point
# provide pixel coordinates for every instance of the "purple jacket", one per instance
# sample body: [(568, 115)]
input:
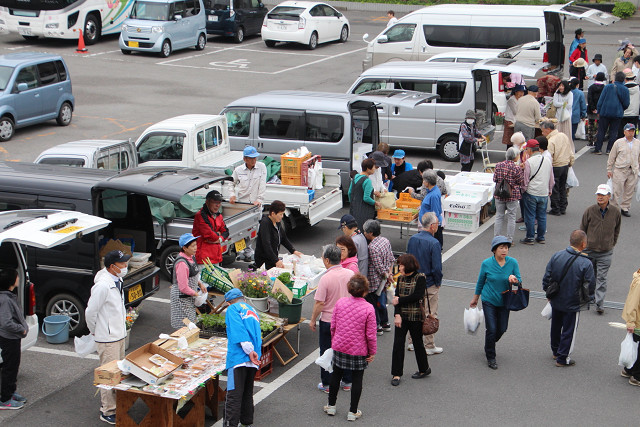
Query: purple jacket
[(353, 327)]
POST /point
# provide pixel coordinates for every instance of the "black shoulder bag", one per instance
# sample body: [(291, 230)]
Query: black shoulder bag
[(554, 287)]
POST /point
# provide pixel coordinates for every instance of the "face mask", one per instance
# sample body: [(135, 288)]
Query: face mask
[(123, 272), (470, 121)]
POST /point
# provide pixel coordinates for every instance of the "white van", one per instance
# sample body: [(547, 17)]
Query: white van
[(443, 28)]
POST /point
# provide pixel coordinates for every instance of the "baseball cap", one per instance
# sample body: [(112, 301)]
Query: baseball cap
[(348, 221), (582, 41), (233, 294), (250, 151), (518, 88), (185, 239), (629, 126), (378, 157), (214, 195), (499, 240), (115, 256), (603, 189), (398, 154), (533, 88), (532, 143)]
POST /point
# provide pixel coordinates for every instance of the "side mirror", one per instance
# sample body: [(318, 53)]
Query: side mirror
[(382, 39), (177, 17), (338, 15), (364, 37), (260, 4), (22, 87)]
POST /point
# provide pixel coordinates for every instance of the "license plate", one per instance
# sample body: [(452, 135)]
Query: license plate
[(135, 293), (213, 18), (134, 44), (24, 31), (282, 27), (240, 245)]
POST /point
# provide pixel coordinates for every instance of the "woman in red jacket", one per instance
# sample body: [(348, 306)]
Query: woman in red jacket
[(210, 228)]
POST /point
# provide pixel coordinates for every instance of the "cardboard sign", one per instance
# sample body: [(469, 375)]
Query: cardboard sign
[(279, 286), (234, 276)]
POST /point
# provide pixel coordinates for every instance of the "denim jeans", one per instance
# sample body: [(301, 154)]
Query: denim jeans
[(381, 308), (535, 209), (496, 319)]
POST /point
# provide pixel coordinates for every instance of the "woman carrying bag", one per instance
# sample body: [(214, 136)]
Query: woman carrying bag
[(186, 280), (495, 275), (563, 101), (469, 139)]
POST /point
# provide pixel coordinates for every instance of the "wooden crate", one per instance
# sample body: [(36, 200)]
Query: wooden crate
[(396, 215), (292, 166), (266, 365)]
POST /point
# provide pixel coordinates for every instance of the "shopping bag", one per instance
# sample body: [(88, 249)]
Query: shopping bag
[(581, 131), (515, 300), (391, 292), (610, 184), (638, 190), (85, 345), (572, 179), (201, 298), (628, 351), (472, 319), (387, 200), (326, 360), (546, 311)]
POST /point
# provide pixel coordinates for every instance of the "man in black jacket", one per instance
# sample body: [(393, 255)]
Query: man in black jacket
[(573, 271), (270, 236)]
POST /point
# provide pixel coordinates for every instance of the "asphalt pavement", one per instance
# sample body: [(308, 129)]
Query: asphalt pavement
[(119, 96)]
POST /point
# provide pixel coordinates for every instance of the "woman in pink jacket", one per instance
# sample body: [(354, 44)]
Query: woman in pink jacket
[(349, 253), (353, 340)]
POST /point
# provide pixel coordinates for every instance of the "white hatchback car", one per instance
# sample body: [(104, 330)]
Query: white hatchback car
[(304, 22)]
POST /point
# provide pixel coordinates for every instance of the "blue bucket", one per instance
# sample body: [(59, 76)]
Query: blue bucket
[(56, 328)]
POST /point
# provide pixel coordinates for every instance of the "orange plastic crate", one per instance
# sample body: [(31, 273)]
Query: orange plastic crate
[(292, 166), (407, 202), (291, 180), (396, 215)]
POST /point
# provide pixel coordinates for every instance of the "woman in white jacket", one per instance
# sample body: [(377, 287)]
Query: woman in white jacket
[(563, 101)]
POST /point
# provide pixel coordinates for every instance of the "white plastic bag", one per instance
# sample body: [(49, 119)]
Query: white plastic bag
[(317, 185), (326, 360), (472, 319), (546, 311), (201, 298), (610, 184), (572, 179), (391, 292), (638, 190), (628, 352), (85, 345), (581, 131)]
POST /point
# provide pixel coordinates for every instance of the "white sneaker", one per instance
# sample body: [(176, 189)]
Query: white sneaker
[(410, 347), (330, 410), (434, 350), (354, 416)]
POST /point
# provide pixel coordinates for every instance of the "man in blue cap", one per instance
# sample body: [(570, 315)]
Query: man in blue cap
[(244, 349), (249, 185), (399, 166)]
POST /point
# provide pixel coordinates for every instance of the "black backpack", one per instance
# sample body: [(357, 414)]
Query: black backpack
[(504, 190)]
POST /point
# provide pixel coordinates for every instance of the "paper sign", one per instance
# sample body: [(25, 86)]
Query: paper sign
[(279, 286), (234, 276)]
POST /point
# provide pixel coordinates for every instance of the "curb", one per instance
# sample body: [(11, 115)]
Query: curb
[(364, 7)]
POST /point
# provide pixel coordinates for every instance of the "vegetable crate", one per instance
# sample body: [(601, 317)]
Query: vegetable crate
[(214, 281), (405, 201), (292, 166), (299, 292), (291, 180), (266, 362), (396, 215)]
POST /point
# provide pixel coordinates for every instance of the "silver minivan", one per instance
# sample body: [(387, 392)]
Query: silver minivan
[(163, 26)]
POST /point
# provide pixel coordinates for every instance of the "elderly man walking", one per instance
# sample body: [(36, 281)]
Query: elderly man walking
[(528, 114), (426, 249), (380, 264), (332, 287), (573, 272), (601, 222), (622, 168), (538, 184), (509, 172), (563, 157)]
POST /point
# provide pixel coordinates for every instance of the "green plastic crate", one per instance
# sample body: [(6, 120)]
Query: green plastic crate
[(213, 282), (299, 292)]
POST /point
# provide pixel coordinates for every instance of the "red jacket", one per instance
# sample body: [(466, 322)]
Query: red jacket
[(579, 54), (208, 246)]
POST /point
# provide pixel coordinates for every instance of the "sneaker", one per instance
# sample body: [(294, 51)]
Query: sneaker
[(323, 388), (380, 331), (492, 364), (345, 386), (624, 373), (19, 398), (330, 410), (434, 350), (625, 213), (634, 381), (352, 417), (522, 228), (14, 404), (410, 347), (386, 327), (600, 310), (527, 241), (109, 419), (541, 241), (569, 362)]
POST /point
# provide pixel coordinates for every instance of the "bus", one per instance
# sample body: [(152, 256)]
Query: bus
[(63, 18)]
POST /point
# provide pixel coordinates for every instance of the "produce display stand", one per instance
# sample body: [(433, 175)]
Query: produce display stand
[(283, 338)]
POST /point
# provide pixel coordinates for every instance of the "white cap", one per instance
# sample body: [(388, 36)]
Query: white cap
[(603, 189)]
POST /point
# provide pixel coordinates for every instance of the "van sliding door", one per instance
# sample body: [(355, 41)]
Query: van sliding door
[(555, 45)]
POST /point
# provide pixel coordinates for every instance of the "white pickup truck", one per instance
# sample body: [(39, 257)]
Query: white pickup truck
[(202, 141)]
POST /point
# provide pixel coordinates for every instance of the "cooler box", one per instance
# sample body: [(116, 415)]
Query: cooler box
[(462, 221), (457, 203)]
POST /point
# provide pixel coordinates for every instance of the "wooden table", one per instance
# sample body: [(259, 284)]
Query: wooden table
[(285, 330)]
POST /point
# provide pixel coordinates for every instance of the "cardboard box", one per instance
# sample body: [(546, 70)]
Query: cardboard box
[(138, 360), (462, 204), (462, 221), (108, 374), (191, 335)]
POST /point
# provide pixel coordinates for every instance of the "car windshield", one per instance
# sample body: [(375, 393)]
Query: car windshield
[(5, 75), (285, 11), (150, 11)]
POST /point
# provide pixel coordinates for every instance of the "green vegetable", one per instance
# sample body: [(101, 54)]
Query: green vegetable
[(210, 321), (266, 326), (280, 297), (285, 278)]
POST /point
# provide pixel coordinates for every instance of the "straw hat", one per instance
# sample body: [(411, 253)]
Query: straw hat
[(580, 63)]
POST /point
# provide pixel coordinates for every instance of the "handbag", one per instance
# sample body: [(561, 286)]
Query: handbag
[(504, 190), (515, 300), (430, 323), (554, 287)]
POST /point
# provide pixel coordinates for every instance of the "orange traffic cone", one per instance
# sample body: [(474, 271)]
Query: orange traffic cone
[(81, 47)]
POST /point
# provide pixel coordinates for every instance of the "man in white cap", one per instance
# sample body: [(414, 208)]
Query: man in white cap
[(623, 168), (602, 223)]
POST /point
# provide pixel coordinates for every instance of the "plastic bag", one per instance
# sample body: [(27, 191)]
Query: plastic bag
[(546, 311), (387, 200), (638, 190), (610, 184), (326, 360), (472, 319), (628, 352), (572, 179), (201, 298), (581, 131), (85, 345), (391, 292)]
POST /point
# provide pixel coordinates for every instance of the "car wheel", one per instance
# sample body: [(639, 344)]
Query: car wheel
[(202, 42), (168, 259), (69, 305), (313, 41), (344, 34), (239, 37), (91, 30), (65, 114), (449, 148), (270, 43), (6, 128), (166, 49), (31, 38)]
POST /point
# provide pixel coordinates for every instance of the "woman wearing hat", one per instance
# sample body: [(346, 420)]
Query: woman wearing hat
[(596, 67), (210, 228), (510, 114), (495, 275), (579, 71), (574, 44), (470, 139), (622, 62), (186, 280)]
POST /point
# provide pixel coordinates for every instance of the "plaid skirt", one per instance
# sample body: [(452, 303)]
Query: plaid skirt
[(349, 361)]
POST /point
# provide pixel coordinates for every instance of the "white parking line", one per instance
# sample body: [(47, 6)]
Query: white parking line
[(284, 53), (208, 52), (62, 353), (102, 53), (319, 60), (162, 300)]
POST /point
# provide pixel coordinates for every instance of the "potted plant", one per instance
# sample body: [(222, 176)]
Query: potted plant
[(212, 324), (266, 327), (288, 309), (129, 320), (255, 286)]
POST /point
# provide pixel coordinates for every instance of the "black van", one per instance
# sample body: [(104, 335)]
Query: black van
[(64, 275), (234, 18)]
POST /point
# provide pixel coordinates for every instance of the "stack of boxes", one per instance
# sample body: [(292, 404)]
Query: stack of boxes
[(468, 193)]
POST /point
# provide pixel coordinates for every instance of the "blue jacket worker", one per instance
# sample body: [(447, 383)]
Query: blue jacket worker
[(573, 271), (244, 349)]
